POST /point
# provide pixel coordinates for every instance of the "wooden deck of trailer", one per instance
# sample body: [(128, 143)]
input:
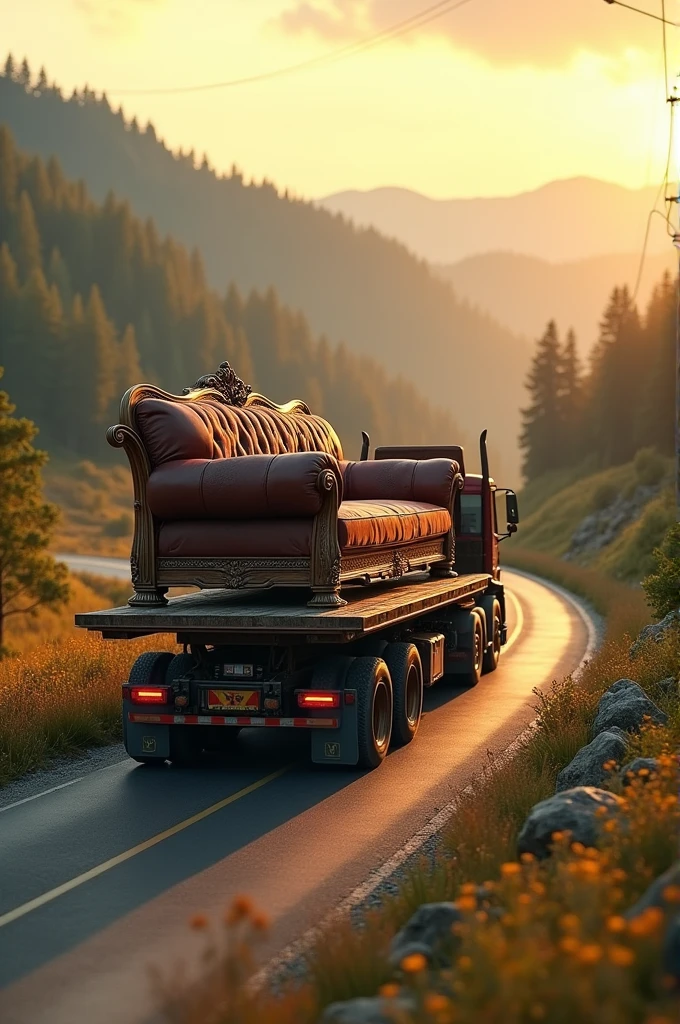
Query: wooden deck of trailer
[(280, 616)]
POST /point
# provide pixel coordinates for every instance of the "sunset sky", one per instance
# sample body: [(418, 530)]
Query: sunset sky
[(492, 99)]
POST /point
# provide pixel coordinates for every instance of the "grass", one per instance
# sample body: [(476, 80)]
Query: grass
[(96, 506), (544, 941)]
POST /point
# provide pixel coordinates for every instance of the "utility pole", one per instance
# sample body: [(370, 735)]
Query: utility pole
[(674, 148)]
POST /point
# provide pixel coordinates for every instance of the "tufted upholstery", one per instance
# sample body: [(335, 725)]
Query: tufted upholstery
[(172, 431)]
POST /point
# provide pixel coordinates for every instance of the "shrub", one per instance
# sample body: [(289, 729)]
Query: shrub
[(662, 586), (649, 466), (121, 526), (605, 495)]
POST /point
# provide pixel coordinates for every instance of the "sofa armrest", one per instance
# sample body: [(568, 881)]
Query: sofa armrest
[(433, 481), (245, 487)]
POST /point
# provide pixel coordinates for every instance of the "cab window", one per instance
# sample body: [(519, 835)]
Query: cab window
[(471, 514)]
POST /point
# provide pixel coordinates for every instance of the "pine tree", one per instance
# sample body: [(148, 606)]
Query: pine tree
[(10, 68), (129, 370), (29, 577), (541, 437), (24, 76), (99, 369), (27, 239), (9, 178), (57, 274), (571, 402), (41, 84)]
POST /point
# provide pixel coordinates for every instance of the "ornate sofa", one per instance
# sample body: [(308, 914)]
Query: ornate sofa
[(231, 490)]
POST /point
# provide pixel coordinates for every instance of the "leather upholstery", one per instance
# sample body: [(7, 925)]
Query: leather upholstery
[(422, 451), (362, 526), (432, 481), (250, 487), (173, 431)]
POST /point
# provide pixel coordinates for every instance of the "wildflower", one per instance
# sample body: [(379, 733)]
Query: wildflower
[(590, 954), (646, 922), (557, 837), (538, 888), (510, 869), (414, 963), (482, 916), (609, 826), (622, 956), (240, 909), (570, 922), (389, 991), (466, 903), (618, 875), (524, 899), (434, 1002), (468, 889), (671, 893), (592, 853), (602, 812), (642, 772), (198, 922), (609, 765), (527, 858), (569, 944), (616, 923), (465, 963), (578, 848), (260, 922)]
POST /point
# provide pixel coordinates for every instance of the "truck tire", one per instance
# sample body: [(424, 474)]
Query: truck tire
[(406, 672), (148, 670), (474, 672), (494, 628), (370, 677)]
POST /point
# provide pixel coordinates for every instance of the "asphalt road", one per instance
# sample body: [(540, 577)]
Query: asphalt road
[(98, 878)]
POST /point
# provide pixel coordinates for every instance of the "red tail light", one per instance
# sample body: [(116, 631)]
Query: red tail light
[(318, 698), (149, 694)]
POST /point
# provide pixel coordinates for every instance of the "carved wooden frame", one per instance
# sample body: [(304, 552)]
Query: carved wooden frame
[(323, 571)]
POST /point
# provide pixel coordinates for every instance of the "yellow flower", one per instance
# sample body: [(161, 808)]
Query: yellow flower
[(618, 875), (198, 922), (434, 1002), (465, 963), (468, 889), (413, 963), (592, 853), (260, 922), (466, 903), (616, 923), (538, 888), (610, 826), (481, 916), (524, 899), (578, 848), (389, 991), (590, 954), (642, 772), (671, 893), (602, 812), (646, 922), (622, 956), (570, 922), (241, 908), (557, 837), (527, 858), (510, 869), (569, 944)]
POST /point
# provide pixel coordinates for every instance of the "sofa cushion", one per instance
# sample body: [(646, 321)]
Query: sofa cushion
[(250, 487), (432, 480), (362, 526), (209, 430)]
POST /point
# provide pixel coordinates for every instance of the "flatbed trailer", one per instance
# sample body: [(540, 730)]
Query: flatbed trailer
[(352, 675)]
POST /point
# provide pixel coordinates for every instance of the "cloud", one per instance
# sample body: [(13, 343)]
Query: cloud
[(117, 17), (535, 32)]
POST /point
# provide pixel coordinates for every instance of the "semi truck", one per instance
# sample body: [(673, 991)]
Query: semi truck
[(352, 675)]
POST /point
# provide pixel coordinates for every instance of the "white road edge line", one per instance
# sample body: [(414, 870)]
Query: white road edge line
[(63, 785), (435, 824)]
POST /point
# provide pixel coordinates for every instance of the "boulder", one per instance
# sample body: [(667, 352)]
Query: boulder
[(654, 897), (366, 1010), (586, 769), (428, 932), (658, 631), (669, 685), (650, 763), (573, 810), (671, 952), (625, 704)]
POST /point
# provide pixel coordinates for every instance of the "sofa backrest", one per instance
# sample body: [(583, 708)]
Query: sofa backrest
[(207, 429)]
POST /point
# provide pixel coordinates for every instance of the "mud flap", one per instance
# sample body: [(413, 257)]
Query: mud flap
[(145, 740), (338, 746)]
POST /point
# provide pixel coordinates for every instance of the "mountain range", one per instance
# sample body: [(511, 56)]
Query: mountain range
[(574, 219)]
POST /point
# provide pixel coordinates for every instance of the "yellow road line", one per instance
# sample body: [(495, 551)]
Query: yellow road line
[(53, 894)]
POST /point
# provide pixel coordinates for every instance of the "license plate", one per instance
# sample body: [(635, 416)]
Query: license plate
[(233, 700)]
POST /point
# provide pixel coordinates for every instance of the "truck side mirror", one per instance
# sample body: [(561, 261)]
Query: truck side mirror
[(511, 510)]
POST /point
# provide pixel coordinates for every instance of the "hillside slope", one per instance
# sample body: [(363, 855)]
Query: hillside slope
[(525, 292), (564, 220), (353, 285), (610, 520)]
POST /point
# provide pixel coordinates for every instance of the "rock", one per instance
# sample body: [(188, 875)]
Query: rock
[(586, 769), (365, 1010), (671, 952), (650, 763), (625, 704), (428, 932), (653, 896), (669, 685), (657, 632), (573, 810), (598, 529)]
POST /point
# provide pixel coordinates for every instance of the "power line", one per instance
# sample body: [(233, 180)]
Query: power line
[(400, 28), (648, 14)]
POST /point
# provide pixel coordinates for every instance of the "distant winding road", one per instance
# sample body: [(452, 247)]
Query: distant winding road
[(98, 877)]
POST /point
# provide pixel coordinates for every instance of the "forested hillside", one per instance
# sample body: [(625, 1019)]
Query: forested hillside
[(94, 300), (353, 285), (623, 403)]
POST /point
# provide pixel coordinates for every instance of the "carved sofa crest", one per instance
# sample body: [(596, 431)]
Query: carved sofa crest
[(231, 490)]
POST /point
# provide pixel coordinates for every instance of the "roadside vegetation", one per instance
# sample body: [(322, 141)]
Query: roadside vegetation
[(539, 940)]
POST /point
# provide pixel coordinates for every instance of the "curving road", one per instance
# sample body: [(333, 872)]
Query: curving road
[(99, 877)]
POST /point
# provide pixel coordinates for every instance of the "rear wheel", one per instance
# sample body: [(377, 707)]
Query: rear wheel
[(476, 652), (370, 677), (148, 670), (494, 626), (406, 673)]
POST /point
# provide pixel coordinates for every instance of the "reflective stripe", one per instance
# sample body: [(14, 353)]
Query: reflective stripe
[(289, 723)]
